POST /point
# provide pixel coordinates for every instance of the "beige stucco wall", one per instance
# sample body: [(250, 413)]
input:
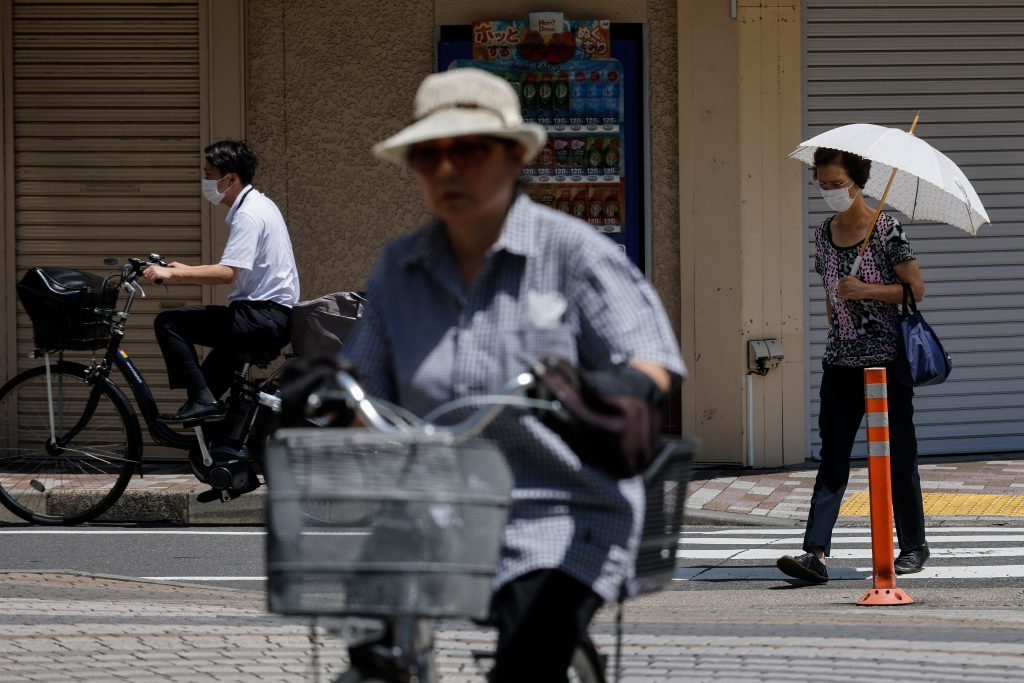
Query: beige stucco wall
[(328, 79), (741, 242)]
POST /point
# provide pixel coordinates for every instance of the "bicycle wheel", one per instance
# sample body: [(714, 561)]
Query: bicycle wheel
[(587, 664), (75, 482)]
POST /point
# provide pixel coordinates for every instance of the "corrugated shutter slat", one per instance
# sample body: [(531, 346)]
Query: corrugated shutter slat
[(962, 65), (107, 141)]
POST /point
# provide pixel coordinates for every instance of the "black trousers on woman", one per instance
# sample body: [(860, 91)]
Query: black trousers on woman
[(842, 410), (540, 616)]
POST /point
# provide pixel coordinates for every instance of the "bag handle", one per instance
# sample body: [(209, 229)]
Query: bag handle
[(908, 293)]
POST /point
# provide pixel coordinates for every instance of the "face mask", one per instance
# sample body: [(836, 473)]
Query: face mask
[(838, 200), (211, 192)]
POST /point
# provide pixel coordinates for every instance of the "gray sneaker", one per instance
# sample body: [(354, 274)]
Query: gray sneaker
[(806, 567)]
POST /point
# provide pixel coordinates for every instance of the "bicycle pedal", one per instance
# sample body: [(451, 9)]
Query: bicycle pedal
[(209, 496), (225, 495), (198, 422)]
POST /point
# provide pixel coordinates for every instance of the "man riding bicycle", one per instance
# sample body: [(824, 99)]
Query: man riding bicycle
[(257, 259), (493, 284)]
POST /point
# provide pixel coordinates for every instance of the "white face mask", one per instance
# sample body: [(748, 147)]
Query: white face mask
[(838, 200), (211, 192)]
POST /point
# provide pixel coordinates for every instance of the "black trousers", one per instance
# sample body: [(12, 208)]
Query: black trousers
[(541, 616), (228, 330), (842, 409)]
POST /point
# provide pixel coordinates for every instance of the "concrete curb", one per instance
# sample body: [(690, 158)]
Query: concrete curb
[(43, 574), (701, 517), (180, 507)]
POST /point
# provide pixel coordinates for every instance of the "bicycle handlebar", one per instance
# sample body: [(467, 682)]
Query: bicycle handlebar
[(384, 418), (137, 266)]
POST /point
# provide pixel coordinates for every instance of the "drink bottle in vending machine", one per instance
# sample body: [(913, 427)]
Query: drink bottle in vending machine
[(578, 99), (595, 98), (561, 98), (610, 98), (530, 97), (545, 100), (580, 203), (595, 207), (587, 88)]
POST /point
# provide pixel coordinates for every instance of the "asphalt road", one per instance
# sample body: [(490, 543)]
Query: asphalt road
[(730, 616), (711, 558)]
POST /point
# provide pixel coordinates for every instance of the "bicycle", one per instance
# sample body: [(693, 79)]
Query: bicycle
[(69, 437), (407, 526)]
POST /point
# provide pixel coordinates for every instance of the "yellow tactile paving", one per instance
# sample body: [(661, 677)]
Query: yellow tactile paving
[(947, 504)]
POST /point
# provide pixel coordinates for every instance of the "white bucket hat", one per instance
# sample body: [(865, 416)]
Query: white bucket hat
[(464, 102)]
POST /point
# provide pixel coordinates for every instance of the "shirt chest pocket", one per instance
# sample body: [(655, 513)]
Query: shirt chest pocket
[(536, 343)]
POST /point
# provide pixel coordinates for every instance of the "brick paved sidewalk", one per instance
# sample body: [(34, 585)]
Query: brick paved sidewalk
[(965, 489), (74, 627)]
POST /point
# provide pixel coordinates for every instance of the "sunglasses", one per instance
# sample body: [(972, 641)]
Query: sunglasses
[(462, 155)]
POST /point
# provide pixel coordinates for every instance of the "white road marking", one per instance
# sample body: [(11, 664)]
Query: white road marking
[(130, 532), (798, 540), (720, 547), (859, 530), (167, 532), (1009, 571), (840, 554), (204, 578)]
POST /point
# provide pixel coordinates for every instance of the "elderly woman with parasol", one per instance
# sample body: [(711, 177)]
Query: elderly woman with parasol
[(867, 268)]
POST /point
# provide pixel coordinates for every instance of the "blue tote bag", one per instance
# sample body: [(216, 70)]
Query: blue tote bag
[(922, 361)]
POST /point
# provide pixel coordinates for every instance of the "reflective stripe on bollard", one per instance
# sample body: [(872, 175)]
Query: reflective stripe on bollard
[(876, 408)]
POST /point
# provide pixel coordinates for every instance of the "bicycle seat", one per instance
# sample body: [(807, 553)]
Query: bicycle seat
[(260, 358)]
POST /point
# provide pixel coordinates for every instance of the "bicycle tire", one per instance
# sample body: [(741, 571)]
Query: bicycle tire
[(90, 473), (587, 664)]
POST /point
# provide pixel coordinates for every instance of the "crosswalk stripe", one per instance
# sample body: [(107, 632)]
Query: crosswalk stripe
[(838, 554), (798, 539), (860, 530), (1008, 571)]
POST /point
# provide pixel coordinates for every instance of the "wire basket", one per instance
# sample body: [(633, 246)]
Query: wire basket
[(665, 491), (368, 524)]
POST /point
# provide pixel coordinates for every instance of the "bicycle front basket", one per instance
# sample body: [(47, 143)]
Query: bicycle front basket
[(665, 490), (361, 523), (62, 303)]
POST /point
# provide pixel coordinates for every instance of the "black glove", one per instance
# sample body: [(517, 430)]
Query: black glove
[(614, 415)]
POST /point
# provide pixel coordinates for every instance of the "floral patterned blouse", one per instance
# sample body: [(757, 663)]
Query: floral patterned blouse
[(864, 332)]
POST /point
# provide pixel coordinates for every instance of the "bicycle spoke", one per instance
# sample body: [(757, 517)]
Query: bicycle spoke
[(102, 456), (91, 470)]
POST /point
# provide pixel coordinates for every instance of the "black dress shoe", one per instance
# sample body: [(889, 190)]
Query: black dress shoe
[(912, 561), (806, 567), (193, 410)]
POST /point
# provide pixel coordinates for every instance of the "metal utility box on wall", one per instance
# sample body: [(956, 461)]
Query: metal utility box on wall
[(763, 355)]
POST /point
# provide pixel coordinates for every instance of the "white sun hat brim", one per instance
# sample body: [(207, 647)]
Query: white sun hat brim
[(450, 123)]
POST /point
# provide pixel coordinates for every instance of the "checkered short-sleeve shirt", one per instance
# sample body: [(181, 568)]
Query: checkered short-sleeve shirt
[(424, 340)]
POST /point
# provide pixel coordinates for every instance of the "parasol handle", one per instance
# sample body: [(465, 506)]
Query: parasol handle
[(878, 211)]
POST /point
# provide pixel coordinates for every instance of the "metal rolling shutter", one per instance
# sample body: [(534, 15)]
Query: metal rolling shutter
[(962, 65), (107, 143)]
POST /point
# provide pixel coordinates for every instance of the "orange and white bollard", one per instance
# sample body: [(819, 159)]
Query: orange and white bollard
[(876, 406)]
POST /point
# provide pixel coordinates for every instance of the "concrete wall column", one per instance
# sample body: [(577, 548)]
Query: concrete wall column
[(741, 241)]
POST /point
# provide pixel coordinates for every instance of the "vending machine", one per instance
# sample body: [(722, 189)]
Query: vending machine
[(583, 81)]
